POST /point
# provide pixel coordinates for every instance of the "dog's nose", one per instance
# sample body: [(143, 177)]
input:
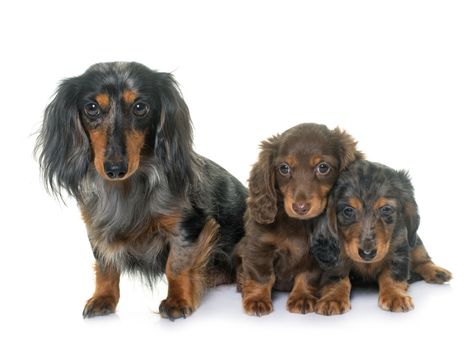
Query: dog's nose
[(301, 208), (367, 255), (115, 170)]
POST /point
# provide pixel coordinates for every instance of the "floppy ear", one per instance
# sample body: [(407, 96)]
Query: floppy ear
[(173, 144), (409, 207), (262, 199), (62, 145), (325, 245), (346, 147)]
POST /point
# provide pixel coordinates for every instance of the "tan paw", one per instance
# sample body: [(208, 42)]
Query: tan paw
[(258, 306), (172, 308), (395, 302), (332, 306), (301, 304), (100, 306)]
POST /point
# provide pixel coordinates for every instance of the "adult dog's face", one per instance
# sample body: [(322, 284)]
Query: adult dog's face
[(374, 206), (118, 107), (111, 119), (117, 117)]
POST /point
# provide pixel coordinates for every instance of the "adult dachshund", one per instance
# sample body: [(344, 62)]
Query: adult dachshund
[(118, 138)]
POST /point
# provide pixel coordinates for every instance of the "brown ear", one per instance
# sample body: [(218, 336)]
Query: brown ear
[(262, 200), (346, 146)]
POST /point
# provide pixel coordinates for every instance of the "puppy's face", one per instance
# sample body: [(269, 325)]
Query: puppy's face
[(366, 225), (372, 209), (116, 110), (306, 168)]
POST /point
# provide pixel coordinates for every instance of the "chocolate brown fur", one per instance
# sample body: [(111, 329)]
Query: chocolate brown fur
[(288, 186)]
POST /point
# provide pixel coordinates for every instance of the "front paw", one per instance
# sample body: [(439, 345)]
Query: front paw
[(333, 306), (301, 304), (395, 302), (172, 308), (258, 306), (100, 306)]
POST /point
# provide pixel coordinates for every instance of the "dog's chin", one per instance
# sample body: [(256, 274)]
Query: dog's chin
[(108, 179), (380, 255), (362, 261), (115, 180), (102, 174), (312, 213)]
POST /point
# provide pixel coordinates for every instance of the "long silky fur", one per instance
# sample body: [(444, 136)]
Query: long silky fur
[(171, 176), (62, 147)]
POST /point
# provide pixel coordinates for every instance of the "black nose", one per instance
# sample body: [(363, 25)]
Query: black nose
[(301, 208), (367, 255), (115, 170)]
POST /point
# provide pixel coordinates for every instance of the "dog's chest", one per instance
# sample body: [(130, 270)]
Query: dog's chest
[(291, 257), (367, 272), (295, 247), (141, 246), (292, 241)]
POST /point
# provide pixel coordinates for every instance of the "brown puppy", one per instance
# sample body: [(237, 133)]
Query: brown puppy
[(288, 186), (370, 233)]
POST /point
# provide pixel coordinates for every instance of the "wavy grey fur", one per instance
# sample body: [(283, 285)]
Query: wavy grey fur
[(171, 177)]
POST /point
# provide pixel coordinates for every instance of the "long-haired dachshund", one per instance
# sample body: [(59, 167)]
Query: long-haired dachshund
[(288, 186), (369, 232), (119, 139)]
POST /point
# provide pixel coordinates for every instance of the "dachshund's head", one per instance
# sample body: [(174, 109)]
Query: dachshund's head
[(296, 170), (370, 206), (110, 120)]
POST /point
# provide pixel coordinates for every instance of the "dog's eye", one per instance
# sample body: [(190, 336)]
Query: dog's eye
[(140, 109), (323, 168), (386, 210), (92, 110), (348, 212), (284, 169)]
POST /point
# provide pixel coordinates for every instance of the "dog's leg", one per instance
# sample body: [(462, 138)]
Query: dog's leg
[(334, 297), (422, 265), (106, 294), (186, 271), (256, 278), (302, 298), (393, 294), (257, 299), (184, 292)]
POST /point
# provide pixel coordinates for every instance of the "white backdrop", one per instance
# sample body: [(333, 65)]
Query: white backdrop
[(393, 73)]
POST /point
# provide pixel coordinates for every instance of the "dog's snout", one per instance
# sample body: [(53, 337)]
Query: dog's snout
[(367, 254), (115, 170), (301, 208)]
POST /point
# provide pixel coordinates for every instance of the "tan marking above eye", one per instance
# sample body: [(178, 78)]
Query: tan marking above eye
[(292, 161), (315, 160), (103, 100), (355, 203), (382, 201), (129, 96)]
